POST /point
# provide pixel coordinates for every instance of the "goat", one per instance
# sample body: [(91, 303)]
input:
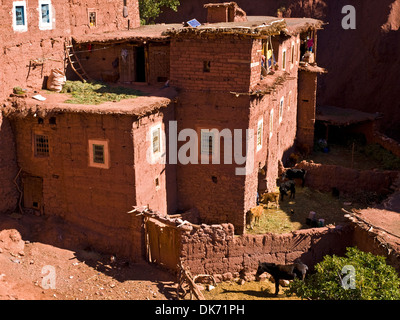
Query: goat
[(287, 186), (280, 271), (270, 197), (292, 174), (253, 216)]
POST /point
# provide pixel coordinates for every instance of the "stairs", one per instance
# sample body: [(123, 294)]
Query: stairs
[(72, 60)]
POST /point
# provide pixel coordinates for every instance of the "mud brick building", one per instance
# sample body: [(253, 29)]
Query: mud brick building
[(89, 164)]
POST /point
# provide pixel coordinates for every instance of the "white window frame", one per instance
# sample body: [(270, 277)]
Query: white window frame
[(24, 27), (284, 59), (260, 132), (106, 153), (45, 25), (154, 129), (209, 133), (281, 103), (292, 55), (271, 122)]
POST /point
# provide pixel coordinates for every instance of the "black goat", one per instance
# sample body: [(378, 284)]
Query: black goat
[(287, 186), (280, 271), (292, 174)]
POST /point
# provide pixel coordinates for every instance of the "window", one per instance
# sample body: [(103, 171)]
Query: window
[(156, 139), (292, 57), (207, 142), (41, 143), (281, 109), (92, 18), (271, 122), (259, 134), (19, 16), (45, 15), (99, 154), (206, 66), (284, 59)]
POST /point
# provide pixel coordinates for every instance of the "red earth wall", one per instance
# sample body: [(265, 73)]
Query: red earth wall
[(215, 250)]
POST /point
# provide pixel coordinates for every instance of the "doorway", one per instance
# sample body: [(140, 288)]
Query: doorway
[(140, 64)]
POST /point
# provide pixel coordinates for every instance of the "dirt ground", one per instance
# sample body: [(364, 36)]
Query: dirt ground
[(325, 205), (27, 267)]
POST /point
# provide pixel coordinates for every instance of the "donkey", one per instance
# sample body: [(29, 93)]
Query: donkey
[(279, 271)]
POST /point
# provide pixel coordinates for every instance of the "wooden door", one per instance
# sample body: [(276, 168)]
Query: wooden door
[(126, 64)]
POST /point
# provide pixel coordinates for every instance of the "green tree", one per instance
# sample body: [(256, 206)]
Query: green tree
[(151, 9), (374, 279)]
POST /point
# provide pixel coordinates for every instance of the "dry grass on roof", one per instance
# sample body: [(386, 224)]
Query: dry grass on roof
[(97, 92)]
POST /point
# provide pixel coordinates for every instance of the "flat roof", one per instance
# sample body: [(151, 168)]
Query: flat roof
[(254, 26), (142, 33), (343, 116), (154, 98)]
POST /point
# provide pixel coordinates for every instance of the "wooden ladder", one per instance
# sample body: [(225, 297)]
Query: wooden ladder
[(72, 59)]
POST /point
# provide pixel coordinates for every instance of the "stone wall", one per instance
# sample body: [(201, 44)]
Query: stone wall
[(347, 180), (216, 250)]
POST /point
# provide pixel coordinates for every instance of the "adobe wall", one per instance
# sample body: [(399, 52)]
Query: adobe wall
[(91, 54), (160, 195), (347, 180), (277, 143), (159, 62), (110, 15), (306, 110), (214, 189), (28, 57), (215, 250), (9, 194), (94, 199), (229, 57)]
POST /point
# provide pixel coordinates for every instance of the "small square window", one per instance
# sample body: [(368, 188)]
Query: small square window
[(99, 154), (259, 134), (207, 142), (19, 16), (156, 139), (284, 60), (45, 15), (92, 18), (206, 66), (41, 145)]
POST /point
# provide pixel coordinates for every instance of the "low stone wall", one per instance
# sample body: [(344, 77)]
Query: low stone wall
[(347, 180), (216, 250), (377, 241), (388, 143)]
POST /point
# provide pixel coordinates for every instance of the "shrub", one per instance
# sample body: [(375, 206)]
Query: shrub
[(374, 279)]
